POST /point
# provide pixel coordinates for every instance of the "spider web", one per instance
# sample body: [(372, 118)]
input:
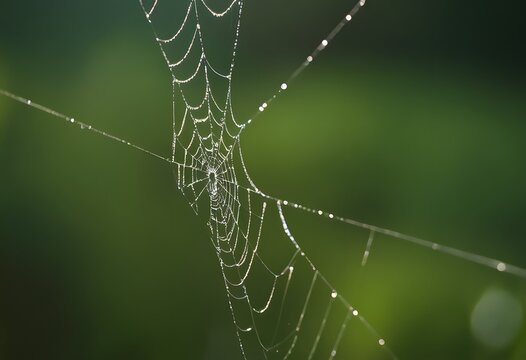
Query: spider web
[(281, 304)]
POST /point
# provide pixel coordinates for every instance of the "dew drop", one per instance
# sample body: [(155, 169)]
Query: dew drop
[(324, 43), (72, 120), (348, 17), (28, 102), (501, 266), (320, 212), (355, 312), (333, 353), (285, 202), (331, 216), (381, 342), (309, 58), (334, 294), (284, 86)]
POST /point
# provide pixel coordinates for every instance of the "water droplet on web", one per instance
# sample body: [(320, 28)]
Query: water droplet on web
[(381, 342), (284, 86), (355, 312), (501, 266), (348, 17), (324, 43), (334, 294)]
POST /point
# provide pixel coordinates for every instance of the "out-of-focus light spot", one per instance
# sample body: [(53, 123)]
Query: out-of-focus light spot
[(496, 319)]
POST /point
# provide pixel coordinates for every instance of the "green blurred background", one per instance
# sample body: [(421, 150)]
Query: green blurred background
[(413, 119)]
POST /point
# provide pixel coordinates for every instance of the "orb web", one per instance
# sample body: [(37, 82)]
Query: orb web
[(206, 146)]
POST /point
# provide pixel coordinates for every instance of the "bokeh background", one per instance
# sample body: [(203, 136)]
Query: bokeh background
[(413, 119)]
